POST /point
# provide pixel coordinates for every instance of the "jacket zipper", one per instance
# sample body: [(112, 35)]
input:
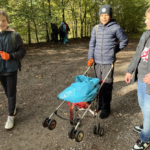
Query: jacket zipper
[(102, 45), (3, 70)]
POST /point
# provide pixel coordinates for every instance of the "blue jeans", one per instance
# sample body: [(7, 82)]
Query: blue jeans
[(144, 103)]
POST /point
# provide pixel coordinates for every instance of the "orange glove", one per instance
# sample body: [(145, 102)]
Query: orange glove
[(90, 62), (5, 56)]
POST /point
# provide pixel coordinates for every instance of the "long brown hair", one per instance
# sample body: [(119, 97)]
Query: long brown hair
[(2, 12)]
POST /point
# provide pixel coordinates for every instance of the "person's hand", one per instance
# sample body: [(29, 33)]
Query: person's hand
[(128, 77), (90, 62), (5, 56), (147, 79)]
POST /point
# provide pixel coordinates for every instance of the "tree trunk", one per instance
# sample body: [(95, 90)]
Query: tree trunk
[(46, 24), (47, 34), (87, 30), (34, 24), (73, 29), (36, 32), (82, 18), (63, 11), (81, 23), (49, 7), (76, 28), (29, 34), (81, 29), (63, 15), (85, 20)]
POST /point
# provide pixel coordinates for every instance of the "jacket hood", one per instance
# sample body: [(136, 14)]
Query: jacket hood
[(62, 23), (10, 29)]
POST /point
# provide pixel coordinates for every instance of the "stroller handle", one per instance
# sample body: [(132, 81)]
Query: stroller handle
[(103, 81), (87, 70), (91, 66)]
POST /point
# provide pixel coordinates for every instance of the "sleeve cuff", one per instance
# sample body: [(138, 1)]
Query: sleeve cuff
[(128, 71), (11, 56)]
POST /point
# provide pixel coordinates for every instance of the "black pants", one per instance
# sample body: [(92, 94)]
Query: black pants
[(105, 94), (62, 35), (54, 37), (9, 84)]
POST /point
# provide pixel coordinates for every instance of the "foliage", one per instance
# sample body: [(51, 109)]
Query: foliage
[(32, 18)]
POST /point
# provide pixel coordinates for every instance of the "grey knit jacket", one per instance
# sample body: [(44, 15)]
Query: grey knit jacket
[(133, 66)]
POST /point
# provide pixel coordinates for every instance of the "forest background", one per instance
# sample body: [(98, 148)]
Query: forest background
[(32, 18)]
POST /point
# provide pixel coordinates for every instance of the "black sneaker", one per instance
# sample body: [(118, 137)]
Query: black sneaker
[(138, 129), (141, 145), (104, 114)]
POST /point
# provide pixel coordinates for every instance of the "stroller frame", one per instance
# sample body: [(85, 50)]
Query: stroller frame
[(73, 132)]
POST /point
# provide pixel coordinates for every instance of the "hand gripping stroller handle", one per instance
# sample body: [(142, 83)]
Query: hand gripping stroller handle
[(106, 75)]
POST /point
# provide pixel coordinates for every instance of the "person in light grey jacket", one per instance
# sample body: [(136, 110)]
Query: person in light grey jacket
[(105, 42), (140, 66)]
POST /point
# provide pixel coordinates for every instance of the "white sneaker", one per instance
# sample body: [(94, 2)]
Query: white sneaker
[(10, 123)]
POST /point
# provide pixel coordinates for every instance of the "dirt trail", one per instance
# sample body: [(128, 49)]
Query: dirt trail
[(46, 71)]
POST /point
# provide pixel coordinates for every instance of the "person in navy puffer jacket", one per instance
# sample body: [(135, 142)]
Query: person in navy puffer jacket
[(107, 39)]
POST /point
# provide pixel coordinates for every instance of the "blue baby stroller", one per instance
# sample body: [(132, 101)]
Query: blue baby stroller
[(82, 95)]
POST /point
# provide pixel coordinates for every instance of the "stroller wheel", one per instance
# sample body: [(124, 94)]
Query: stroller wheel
[(79, 136), (101, 131), (71, 133), (51, 124), (45, 122), (95, 129)]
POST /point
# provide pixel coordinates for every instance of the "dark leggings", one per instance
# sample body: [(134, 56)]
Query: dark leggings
[(9, 83)]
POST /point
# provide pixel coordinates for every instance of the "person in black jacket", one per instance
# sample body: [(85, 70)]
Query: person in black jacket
[(55, 32), (9, 57)]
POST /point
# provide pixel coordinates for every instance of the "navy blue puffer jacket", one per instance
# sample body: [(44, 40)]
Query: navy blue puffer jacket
[(11, 65), (104, 46)]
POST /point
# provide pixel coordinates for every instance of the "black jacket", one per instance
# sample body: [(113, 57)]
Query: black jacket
[(17, 53)]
